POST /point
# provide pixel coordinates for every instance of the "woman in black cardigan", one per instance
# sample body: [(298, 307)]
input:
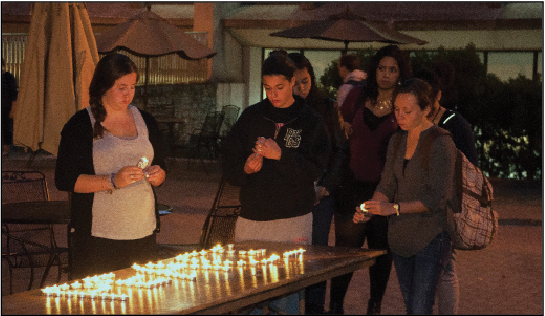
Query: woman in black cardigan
[(114, 216)]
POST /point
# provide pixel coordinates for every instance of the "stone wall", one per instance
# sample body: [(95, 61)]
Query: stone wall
[(187, 103)]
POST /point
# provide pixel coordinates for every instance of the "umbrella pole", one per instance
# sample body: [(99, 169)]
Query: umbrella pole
[(146, 80), (345, 51)]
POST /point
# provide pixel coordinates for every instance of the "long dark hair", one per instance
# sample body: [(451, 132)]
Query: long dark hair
[(109, 68), (403, 63), (301, 62)]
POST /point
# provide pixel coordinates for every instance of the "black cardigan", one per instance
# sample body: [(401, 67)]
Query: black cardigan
[(75, 157)]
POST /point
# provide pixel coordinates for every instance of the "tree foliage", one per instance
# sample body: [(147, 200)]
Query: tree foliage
[(506, 115)]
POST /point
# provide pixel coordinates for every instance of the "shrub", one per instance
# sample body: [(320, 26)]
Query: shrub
[(506, 116)]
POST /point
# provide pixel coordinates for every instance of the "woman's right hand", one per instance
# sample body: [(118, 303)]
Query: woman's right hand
[(128, 175)]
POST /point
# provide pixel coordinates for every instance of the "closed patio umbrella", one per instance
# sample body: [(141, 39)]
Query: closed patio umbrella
[(60, 59), (348, 27), (148, 35)]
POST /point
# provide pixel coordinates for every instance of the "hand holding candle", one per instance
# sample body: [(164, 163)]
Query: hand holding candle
[(362, 214), (155, 175)]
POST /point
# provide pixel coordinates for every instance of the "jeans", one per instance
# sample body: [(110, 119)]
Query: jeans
[(321, 225), (419, 275), (448, 290), (348, 234)]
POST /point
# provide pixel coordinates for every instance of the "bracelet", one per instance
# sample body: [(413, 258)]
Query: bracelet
[(112, 180), (109, 189)]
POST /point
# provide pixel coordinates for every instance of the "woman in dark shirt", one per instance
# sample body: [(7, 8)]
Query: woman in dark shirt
[(373, 123)]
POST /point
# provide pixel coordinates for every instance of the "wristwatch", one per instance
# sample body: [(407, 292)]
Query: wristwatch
[(396, 206)]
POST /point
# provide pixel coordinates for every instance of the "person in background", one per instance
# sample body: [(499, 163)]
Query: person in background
[(114, 216), (329, 180), (9, 102), (415, 197), (275, 152), (448, 291), (349, 71), (373, 124)]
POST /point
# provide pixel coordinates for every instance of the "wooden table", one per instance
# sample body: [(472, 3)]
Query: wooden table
[(213, 292)]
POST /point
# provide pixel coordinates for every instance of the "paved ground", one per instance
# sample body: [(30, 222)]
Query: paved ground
[(505, 278)]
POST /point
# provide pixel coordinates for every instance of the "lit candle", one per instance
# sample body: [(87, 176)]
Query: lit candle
[(203, 252), (160, 265), (242, 252), (47, 291), (253, 262), (241, 263), (64, 287), (143, 163), (231, 246), (76, 285)]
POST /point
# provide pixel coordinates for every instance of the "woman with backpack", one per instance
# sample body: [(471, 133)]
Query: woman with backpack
[(415, 197)]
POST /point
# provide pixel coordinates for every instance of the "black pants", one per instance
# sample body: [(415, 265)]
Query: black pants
[(93, 255), (348, 234)]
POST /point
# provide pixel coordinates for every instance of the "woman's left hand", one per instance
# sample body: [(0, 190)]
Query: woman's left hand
[(380, 208), (155, 175), (268, 148)]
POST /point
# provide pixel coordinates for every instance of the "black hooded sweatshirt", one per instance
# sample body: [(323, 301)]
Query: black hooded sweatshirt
[(282, 188)]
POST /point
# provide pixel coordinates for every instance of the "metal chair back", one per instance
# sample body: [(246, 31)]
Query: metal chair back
[(231, 116), (29, 246), (206, 140), (219, 226)]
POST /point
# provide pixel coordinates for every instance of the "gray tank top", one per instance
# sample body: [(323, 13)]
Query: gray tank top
[(129, 212)]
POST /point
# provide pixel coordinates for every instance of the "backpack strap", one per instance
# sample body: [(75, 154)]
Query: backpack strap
[(427, 143)]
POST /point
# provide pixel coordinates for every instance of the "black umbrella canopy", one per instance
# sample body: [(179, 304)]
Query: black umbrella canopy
[(348, 27)]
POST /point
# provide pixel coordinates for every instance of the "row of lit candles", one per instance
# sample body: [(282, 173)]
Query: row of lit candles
[(100, 285), (94, 294), (218, 251)]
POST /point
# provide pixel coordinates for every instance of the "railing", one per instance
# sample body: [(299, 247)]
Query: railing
[(13, 53), (168, 69)]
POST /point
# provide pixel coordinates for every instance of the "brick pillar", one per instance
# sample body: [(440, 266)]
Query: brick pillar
[(203, 21)]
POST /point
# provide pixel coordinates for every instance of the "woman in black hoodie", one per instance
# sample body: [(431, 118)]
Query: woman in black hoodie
[(275, 152)]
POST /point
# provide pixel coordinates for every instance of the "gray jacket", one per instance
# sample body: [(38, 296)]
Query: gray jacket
[(410, 233)]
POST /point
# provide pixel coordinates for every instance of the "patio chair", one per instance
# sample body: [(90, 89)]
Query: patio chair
[(205, 140), (231, 116), (219, 226), (29, 246)]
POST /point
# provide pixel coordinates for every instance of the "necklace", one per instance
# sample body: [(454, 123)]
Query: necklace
[(381, 105)]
